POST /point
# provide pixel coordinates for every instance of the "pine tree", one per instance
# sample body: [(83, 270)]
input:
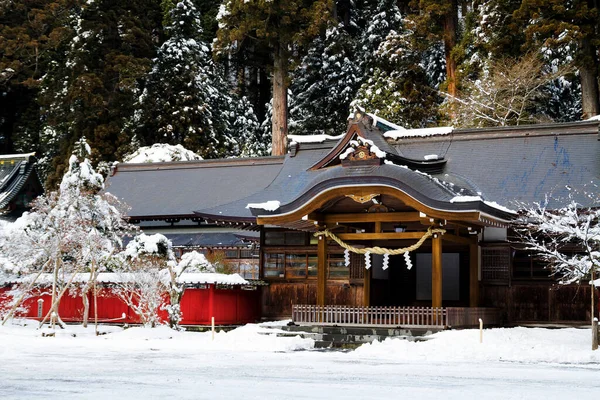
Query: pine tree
[(89, 89), (438, 20), (186, 100), (325, 83), (398, 84), (279, 25), (30, 34), (572, 28)]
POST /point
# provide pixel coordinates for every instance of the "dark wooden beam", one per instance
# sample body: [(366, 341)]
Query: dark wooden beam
[(321, 270), (436, 271), (367, 288), (381, 236), (474, 275), (459, 239), (370, 217)]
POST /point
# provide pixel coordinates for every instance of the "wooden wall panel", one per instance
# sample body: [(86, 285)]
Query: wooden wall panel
[(535, 302), (278, 297)]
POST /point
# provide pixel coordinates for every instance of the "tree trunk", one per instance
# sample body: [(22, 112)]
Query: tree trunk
[(588, 74), (86, 305), (53, 307), (450, 23), (280, 111), (95, 307)]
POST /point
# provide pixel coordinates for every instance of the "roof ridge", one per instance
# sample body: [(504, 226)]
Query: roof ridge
[(219, 162)]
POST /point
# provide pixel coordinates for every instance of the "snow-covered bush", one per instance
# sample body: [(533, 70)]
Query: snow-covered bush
[(141, 283), (161, 152), (75, 229), (192, 262)]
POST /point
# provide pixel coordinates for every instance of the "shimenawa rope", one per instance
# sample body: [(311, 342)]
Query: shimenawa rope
[(381, 250)]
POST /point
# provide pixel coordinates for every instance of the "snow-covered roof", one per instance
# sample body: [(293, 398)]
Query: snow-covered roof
[(377, 119), (112, 277), (270, 205), (313, 138), (212, 278), (423, 132), (466, 199), (16, 156)]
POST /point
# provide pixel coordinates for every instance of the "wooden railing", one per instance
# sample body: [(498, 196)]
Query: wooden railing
[(408, 317), (404, 317)]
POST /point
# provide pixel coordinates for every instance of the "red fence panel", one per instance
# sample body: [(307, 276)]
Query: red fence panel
[(230, 306)]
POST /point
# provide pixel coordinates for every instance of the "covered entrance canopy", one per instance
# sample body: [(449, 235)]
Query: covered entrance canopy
[(369, 199)]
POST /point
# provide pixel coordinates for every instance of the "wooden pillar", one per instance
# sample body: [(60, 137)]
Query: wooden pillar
[(436, 271), (321, 270), (367, 288), (474, 274)]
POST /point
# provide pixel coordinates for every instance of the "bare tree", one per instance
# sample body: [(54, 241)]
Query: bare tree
[(505, 95), (576, 224)]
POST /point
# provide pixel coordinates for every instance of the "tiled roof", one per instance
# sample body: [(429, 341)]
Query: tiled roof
[(15, 169), (163, 190)]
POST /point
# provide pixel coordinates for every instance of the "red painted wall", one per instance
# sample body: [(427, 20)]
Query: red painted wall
[(229, 306)]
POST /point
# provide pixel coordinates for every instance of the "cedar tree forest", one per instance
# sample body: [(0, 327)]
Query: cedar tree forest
[(230, 78)]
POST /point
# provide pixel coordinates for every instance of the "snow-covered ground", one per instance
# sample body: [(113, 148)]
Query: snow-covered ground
[(247, 363)]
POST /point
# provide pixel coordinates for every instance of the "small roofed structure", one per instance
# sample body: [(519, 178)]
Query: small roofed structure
[(19, 184)]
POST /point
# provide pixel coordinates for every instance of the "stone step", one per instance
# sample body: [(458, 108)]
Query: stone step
[(348, 338), (324, 344), (360, 330)]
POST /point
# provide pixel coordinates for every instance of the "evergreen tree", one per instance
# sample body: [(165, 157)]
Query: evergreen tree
[(278, 24), (30, 34), (438, 20), (400, 79), (90, 88), (398, 89), (325, 83), (186, 100), (570, 28)]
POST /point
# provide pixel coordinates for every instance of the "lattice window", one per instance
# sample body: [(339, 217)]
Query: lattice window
[(357, 266), (495, 264)]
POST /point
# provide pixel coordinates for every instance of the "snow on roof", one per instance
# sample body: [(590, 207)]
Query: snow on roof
[(313, 138), (212, 278), (270, 205), (377, 119), (161, 152), (11, 156), (113, 277), (464, 199), (594, 118), (423, 132)]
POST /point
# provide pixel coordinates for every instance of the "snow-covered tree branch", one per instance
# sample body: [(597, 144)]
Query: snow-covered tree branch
[(192, 262), (567, 238), (75, 229), (549, 232)]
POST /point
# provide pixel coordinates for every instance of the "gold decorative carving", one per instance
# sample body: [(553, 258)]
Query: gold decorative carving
[(361, 153), (362, 199)]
